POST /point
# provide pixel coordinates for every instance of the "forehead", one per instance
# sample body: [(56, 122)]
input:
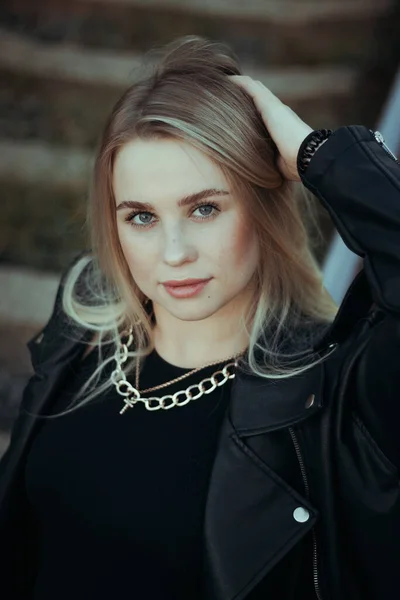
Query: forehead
[(148, 170)]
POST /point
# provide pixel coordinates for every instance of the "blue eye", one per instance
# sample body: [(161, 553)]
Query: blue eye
[(206, 210), (144, 218), (140, 219)]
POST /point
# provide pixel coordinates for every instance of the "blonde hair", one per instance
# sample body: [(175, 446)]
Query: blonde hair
[(188, 96)]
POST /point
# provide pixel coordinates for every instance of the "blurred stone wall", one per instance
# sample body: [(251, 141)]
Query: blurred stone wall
[(63, 64)]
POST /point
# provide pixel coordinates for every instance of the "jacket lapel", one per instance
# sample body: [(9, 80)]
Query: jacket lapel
[(254, 517)]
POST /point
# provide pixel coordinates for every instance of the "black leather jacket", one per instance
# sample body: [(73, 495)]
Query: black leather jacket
[(304, 497)]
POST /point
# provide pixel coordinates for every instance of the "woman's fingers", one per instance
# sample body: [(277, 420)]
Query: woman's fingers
[(283, 124)]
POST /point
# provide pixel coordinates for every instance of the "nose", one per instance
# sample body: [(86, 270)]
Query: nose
[(178, 248)]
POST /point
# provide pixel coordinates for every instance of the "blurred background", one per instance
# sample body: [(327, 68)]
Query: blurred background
[(63, 64)]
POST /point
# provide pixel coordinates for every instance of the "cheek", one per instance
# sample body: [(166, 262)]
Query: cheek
[(239, 251), (140, 260)]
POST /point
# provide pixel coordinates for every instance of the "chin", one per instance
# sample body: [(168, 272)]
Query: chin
[(193, 313)]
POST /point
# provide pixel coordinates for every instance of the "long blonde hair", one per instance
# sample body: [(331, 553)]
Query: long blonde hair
[(188, 96)]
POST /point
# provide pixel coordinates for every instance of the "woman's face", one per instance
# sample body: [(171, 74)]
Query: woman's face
[(187, 240)]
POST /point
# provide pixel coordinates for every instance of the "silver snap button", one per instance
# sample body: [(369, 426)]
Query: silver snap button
[(310, 401), (301, 515)]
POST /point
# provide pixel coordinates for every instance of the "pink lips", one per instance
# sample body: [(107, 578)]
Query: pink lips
[(186, 288)]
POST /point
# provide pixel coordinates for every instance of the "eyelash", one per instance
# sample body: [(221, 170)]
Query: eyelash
[(132, 215)]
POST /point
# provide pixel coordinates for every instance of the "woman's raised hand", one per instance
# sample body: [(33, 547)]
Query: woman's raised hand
[(285, 127)]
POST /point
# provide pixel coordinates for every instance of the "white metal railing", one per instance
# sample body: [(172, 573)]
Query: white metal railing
[(341, 264)]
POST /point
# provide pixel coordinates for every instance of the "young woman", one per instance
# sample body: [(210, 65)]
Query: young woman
[(231, 435)]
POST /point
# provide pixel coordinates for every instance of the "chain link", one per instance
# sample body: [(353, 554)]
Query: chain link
[(132, 395), (181, 398)]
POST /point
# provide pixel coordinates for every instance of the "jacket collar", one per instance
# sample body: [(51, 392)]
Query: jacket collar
[(257, 404), (261, 405)]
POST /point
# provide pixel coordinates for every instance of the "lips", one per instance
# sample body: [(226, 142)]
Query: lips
[(183, 282), (185, 288)]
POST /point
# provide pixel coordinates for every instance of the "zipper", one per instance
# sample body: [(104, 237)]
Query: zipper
[(379, 138), (307, 492)]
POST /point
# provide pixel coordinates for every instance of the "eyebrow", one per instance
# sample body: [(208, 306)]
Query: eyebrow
[(188, 200)]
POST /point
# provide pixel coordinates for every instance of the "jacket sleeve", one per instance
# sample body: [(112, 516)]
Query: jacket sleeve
[(42, 345), (18, 524), (358, 183)]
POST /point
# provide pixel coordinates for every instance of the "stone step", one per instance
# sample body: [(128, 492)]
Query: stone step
[(62, 93), (35, 162), (78, 65), (44, 191), (67, 62), (74, 114), (268, 31), (286, 11), (26, 301)]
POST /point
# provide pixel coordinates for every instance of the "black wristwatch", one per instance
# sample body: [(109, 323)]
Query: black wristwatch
[(313, 141), (309, 146)]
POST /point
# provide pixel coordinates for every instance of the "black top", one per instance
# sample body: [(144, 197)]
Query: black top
[(120, 499)]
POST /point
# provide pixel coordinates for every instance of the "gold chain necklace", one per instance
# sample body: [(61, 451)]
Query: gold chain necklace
[(132, 395)]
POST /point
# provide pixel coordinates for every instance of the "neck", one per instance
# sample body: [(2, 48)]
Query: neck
[(192, 344)]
